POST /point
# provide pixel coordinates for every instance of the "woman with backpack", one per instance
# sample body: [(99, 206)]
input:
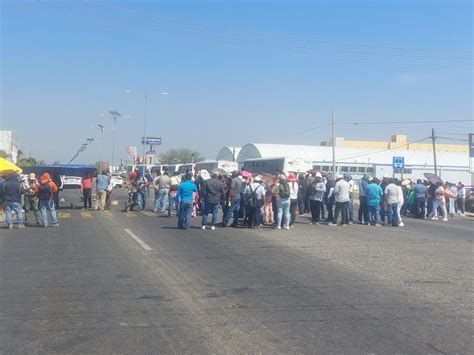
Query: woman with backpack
[(282, 191)]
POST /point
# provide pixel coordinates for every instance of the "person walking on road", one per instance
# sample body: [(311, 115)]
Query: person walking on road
[(86, 186), (185, 194), (45, 192), (101, 185), (213, 196), (374, 197), (12, 200), (461, 198), (342, 198), (254, 197), (162, 185), (31, 201), (108, 194), (293, 183)]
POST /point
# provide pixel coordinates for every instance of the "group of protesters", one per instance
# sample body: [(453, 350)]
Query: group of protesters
[(276, 200), (28, 194)]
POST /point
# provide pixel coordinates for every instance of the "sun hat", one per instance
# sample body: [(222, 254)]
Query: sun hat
[(257, 178)]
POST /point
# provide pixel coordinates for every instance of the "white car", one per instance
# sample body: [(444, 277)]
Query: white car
[(71, 182), (117, 180)]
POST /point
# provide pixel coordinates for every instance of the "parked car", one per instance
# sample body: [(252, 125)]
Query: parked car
[(71, 182), (117, 180)]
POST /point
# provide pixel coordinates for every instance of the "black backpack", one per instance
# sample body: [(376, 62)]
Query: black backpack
[(251, 199), (284, 190), (45, 192)]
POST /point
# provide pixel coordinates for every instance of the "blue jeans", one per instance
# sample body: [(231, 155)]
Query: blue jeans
[(392, 214), (173, 200), (161, 200), (14, 206), (233, 210), (213, 208), (184, 217), (44, 207), (374, 214), (283, 207)]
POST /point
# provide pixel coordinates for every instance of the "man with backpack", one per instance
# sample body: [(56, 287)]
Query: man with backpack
[(282, 191), (31, 201), (214, 195), (45, 192), (12, 200), (254, 195), (317, 190)]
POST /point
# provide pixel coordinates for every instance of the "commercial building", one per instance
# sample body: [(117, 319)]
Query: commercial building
[(374, 159), (8, 145)]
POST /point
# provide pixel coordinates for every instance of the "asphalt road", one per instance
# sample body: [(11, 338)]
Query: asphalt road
[(111, 282)]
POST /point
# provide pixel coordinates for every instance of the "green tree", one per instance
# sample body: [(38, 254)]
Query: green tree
[(180, 156), (27, 161)]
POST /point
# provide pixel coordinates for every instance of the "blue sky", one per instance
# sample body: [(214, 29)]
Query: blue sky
[(236, 71)]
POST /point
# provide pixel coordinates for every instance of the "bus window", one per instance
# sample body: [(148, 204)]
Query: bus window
[(370, 170), (353, 169), (361, 169)]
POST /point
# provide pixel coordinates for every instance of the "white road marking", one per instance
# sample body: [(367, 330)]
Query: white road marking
[(138, 240)]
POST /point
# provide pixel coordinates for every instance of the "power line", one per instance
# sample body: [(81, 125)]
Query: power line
[(237, 29), (452, 134), (271, 49), (305, 131), (401, 122), (452, 139)]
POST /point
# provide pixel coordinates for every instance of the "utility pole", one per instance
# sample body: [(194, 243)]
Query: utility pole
[(433, 138), (101, 145), (115, 116), (144, 134), (333, 145)]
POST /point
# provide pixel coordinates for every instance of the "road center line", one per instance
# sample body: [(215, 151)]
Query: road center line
[(138, 240)]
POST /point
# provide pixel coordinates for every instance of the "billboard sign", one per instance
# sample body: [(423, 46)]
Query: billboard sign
[(151, 140)]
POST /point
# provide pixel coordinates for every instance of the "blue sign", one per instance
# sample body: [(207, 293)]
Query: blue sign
[(151, 140), (398, 162)]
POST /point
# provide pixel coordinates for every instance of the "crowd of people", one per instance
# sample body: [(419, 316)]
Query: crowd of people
[(276, 200), (245, 199)]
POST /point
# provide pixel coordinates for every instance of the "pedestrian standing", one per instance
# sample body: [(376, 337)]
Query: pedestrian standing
[(234, 200), (362, 215), (316, 191), (45, 192), (419, 199), (108, 194), (302, 188), (282, 190), (439, 201), (86, 186), (374, 197), (185, 194), (293, 184), (461, 198), (329, 197), (341, 197), (58, 181), (12, 200), (162, 185), (175, 180), (254, 196), (102, 184), (30, 202), (215, 193), (391, 201)]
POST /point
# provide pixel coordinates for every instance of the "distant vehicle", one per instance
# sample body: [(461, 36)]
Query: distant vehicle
[(277, 165), (210, 165), (71, 182), (183, 168), (117, 180)]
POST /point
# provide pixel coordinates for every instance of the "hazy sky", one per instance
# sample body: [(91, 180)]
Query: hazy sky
[(236, 71)]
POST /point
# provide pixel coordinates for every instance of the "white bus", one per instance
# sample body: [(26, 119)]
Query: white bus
[(210, 165), (277, 165)]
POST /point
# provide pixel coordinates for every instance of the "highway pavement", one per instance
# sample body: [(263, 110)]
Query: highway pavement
[(132, 283)]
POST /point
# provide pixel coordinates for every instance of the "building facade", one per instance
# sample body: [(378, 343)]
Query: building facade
[(8, 145)]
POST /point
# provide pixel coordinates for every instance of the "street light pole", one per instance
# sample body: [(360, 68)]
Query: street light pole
[(101, 143), (144, 134), (115, 115), (333, 145)]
